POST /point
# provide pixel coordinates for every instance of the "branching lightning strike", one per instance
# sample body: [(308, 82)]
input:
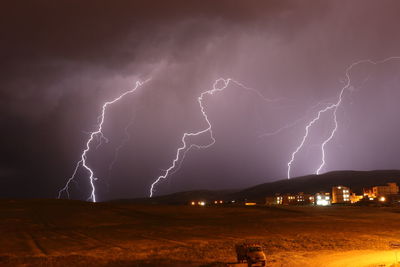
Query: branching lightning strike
[(124, 140), (184, 148), (97, 134), (334, 108), (292, 124)]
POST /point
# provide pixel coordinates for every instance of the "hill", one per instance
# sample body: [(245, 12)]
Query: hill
[(356, 180)]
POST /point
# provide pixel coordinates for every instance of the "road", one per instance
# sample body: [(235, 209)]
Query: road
[(356, 258)]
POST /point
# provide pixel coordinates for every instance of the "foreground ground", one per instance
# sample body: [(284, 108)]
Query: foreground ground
[(73, 233)]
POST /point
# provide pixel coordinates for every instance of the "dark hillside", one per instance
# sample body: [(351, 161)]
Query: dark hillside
[(356, 180)]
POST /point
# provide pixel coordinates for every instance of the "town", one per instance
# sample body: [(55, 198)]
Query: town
[(379, 195)]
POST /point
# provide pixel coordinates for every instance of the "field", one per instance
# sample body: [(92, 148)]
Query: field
[(74, 233)]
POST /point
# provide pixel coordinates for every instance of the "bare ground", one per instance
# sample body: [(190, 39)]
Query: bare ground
[(73, 233)]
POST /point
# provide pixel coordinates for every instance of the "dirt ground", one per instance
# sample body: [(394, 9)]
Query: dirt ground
[(73, 233)]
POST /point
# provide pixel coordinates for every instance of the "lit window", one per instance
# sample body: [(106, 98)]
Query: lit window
[(322, 202)]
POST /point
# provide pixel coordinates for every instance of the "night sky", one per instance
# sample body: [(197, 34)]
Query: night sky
[(61, 60)]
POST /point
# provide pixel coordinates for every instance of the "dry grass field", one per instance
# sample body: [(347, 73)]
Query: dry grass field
[(73, 233)]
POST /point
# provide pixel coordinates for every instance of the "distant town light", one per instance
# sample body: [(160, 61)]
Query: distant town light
[(382, 199), (322, 202)]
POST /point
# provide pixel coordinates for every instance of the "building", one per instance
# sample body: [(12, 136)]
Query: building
[(385, 190), (367, 192), (322, 199), (340, 195), (381, 191), (377, 195), (312, 199), (287, 199), (355, 198), (304, 199), (275, 200), (290, 199)]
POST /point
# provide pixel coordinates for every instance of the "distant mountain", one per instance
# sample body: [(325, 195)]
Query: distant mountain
[(356, 180)]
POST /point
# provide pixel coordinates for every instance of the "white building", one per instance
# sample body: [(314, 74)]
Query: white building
[(322, 199)]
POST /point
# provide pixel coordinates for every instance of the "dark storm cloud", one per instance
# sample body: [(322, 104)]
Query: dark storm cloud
[(45, 41), (94, 30), (60, 60)]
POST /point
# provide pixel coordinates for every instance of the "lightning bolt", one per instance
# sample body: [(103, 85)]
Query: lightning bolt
[(122, 143), (125, 139), (185, 148), (99, 136), (290, 125), (334, 108)]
